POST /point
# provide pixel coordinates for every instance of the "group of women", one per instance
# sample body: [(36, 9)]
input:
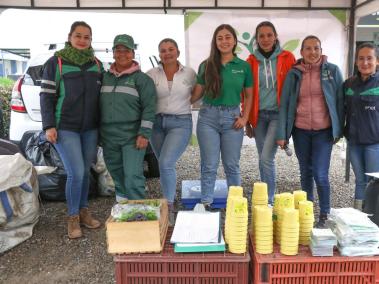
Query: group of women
[(280, 98)]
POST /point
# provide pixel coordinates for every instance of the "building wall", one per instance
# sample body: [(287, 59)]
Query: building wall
[(6, 68)]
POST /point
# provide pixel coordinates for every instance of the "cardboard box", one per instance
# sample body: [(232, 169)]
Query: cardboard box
[(138, 237)]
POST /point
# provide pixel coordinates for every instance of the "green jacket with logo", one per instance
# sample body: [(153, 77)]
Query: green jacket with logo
[(127, 106)]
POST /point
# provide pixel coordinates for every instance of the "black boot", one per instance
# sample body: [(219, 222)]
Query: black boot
[(321, 224)]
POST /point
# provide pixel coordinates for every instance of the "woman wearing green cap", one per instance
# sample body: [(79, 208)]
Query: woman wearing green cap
[(127, 104), (69, 97)]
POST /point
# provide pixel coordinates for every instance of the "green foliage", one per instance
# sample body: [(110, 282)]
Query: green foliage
[(5, 111), (136, 215), (6, 83)]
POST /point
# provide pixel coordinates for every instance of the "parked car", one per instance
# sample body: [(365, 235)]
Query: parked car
[(25, 104)]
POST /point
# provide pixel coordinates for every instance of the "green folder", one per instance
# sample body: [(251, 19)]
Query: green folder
[(200, 247)]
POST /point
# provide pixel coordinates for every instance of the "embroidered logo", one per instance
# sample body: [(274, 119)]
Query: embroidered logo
[(369, 107), (130, 82)]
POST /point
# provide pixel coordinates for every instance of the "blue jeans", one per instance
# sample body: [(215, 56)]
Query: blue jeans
[(170, 137), (313, 150), (265, 139), (364, 159), (216, 134), (77, 151)]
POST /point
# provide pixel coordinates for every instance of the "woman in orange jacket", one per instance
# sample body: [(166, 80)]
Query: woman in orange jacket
[(269, 65)]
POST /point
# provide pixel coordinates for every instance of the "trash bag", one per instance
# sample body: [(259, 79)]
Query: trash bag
[(19, 206), (42, 153), (105, 183), (8, 148), (371, 202)]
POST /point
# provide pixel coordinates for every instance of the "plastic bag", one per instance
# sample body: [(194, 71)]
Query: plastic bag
[(19, 207), (42, 153), (105, 181)]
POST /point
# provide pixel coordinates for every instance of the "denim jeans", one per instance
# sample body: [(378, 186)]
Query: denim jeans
[(216, 134), (77, 151), (364, 159), (265, 139), (169, 139), (313, 150)]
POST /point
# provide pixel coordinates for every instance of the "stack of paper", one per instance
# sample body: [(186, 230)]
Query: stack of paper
[(197, 232), (322, 242), (357, 235)]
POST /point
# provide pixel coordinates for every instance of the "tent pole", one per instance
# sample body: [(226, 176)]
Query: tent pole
[(350, 72)]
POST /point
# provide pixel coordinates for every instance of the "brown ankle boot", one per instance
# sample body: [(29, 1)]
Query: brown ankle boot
[(73, 227), (87, 220)]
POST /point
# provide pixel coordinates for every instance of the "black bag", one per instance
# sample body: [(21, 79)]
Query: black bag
[(42, 153), (371, 203), (8, 148)]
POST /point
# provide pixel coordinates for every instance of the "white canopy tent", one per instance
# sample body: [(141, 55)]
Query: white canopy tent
[(355, 8)]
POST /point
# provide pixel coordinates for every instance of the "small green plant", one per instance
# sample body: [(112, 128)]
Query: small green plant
[(138, 215)]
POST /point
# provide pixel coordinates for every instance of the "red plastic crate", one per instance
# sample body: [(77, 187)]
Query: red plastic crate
[(304, 268), (169, 267)]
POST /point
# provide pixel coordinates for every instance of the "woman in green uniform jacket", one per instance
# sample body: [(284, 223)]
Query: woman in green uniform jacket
[(127, 103)]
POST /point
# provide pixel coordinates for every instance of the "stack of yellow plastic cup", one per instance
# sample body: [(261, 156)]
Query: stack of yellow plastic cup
[(299, 195), (275, 212), (258, 198), (234, 192), (285, 201), (263, 230), (306, 217), (238, 225), (289, 241)]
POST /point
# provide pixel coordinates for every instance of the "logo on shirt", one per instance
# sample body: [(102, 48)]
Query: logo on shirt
[(130, 82), (237, 71), (369, 108), (327, 75)]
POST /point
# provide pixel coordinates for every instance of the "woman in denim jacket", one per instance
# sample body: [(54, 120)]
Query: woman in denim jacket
[(311, 110)]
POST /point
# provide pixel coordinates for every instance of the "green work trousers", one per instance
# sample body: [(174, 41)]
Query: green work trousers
[(125, 164)]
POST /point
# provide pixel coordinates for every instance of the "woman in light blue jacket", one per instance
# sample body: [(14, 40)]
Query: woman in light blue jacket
[(311, 110)]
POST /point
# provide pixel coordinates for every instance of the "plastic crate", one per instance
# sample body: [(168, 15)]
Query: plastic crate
[(304, 268), (191, 194), (169, 267)]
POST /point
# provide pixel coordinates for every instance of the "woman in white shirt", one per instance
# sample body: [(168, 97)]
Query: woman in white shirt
[(173, 122)]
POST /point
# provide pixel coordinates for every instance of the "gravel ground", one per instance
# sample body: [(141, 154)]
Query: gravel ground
[(50, 257)]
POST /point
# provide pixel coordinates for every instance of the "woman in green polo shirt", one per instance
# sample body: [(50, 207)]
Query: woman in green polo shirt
[(221, 79)]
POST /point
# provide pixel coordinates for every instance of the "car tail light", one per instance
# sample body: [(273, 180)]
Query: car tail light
[(17, 104)]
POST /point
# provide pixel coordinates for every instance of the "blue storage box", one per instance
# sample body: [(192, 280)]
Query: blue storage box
[(191, 193)]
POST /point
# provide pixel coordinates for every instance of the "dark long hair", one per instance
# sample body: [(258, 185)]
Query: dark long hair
[(213, 64), (266, 24)]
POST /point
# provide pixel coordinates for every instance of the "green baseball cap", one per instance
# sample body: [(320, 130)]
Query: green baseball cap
[(125, 40)]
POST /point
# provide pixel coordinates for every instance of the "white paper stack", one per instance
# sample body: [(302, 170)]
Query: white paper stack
[(322, 242), (356, 234)]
